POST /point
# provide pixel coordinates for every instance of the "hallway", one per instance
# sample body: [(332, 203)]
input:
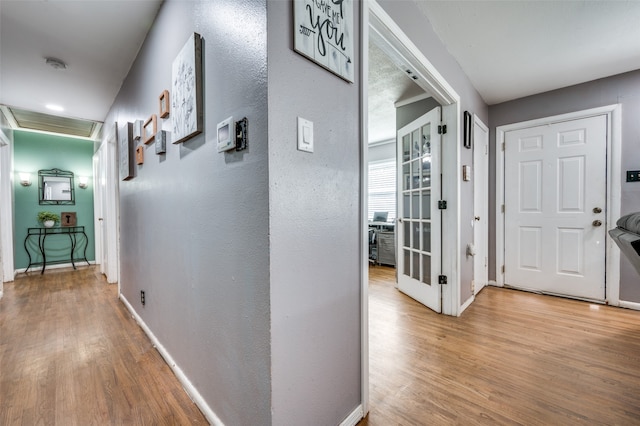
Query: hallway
[(511, 358), (71, 354)]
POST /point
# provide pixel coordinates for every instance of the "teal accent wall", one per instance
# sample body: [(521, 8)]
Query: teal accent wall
[(36, 151)]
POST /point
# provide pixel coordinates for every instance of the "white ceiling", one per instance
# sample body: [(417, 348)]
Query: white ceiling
[(512, 49), (509, 49), (97, 39)]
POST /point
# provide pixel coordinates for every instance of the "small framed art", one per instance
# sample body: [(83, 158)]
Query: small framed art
[(150, 129)]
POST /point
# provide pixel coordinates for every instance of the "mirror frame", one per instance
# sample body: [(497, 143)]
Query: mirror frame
[(42, 174)]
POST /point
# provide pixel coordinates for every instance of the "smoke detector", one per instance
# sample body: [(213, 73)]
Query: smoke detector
[(56, 63)]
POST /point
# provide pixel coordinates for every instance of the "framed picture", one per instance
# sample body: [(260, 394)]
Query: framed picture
[(164, 104), (150, 129), (140, 155), (137, 129), (186, 91), (68, 219), (324, 32), (125, 150), (161, 142)]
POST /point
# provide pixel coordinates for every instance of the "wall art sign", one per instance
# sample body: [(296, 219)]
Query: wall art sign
[(125, 150), (323, 32), (186, 90)]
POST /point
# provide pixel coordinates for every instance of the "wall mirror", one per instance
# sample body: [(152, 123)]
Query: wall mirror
[(55, 186)]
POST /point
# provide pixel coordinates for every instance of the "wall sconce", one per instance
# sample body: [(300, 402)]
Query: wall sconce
[(25, 179), (83, 181)]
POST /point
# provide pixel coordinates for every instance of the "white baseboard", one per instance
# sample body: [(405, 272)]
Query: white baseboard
[(193, 393), (355, 416), (629, 305), (56, 266), (466, 305), (493, 283)]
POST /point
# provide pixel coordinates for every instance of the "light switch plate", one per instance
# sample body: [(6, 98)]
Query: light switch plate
[(305, 135)]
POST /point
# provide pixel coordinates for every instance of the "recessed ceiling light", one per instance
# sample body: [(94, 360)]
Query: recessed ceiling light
[(56, 63), (54, 107)]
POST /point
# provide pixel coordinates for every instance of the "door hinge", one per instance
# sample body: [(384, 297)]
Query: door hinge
[(503, 269), (503, 146), (502, 208), (442, 205), (442, 129), (442, 279)]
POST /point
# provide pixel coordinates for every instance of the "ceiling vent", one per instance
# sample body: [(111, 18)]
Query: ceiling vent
[(39, 122)]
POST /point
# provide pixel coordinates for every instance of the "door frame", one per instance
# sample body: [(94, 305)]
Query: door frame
[(481, 194), (375, 22), (7, 273), (614, 185), (106, 155)]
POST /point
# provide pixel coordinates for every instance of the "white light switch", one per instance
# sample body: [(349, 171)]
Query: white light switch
[(305, 135)]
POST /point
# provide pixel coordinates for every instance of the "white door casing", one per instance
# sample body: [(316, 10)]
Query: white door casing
[(480, 204), (555, 208), (419, 219)]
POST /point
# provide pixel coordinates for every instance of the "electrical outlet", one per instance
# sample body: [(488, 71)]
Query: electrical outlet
[(633, 175), (142, 299)]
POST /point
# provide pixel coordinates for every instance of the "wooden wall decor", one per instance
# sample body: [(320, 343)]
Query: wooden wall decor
[(140, 155), (68, 219), (164, 104), (150, 129)]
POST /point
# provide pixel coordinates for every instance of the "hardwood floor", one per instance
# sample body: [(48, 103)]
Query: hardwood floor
[(511, 358), (70, 354)]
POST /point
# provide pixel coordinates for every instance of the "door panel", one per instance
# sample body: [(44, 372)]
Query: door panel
[(553, 242), (480, 204), (418, 226)]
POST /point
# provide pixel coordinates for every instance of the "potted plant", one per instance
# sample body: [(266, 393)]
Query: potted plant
[(48, 219)]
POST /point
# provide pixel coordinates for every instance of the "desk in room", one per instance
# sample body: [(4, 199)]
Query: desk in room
[(383, 251), (42, 233)]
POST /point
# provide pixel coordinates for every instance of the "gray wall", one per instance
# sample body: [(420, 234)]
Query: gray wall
[(195, 223), (407, 15), (407, 113), (315, 233), (381, 152), (623, 89)]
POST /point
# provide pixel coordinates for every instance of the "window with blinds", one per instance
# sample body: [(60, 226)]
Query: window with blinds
[(382, 188)]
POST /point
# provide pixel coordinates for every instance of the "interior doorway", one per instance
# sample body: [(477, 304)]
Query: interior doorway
[(377, 25)]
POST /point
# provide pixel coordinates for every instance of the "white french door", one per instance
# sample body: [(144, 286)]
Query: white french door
[(419, 219), (555, 208)]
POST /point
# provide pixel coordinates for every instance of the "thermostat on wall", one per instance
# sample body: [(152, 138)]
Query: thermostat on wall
[(226, 140)]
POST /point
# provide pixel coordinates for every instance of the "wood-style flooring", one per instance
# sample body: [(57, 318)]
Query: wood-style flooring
[(511, 358), (71, 354)]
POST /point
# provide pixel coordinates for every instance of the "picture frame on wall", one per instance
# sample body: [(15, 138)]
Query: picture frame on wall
[(164, 104), (187, 113), (150, 129), (125, 150), (324, 32)]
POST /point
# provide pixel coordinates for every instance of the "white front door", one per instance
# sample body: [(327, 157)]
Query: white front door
[(419, 219), (480, 204), (555, 208)]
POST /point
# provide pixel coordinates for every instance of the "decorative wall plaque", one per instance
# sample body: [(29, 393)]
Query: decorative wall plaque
[(323, 32)]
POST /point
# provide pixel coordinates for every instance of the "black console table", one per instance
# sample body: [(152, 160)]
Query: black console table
[(42, 233)]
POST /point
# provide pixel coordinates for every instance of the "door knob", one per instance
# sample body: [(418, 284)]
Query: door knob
[(597, 210), (596, 223)]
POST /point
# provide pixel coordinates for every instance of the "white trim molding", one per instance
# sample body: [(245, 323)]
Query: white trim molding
[(353, 418), (193, 393), (614, 185), (629, 305)]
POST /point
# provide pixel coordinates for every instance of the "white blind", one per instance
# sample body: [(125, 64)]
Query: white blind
[(382, 188)]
